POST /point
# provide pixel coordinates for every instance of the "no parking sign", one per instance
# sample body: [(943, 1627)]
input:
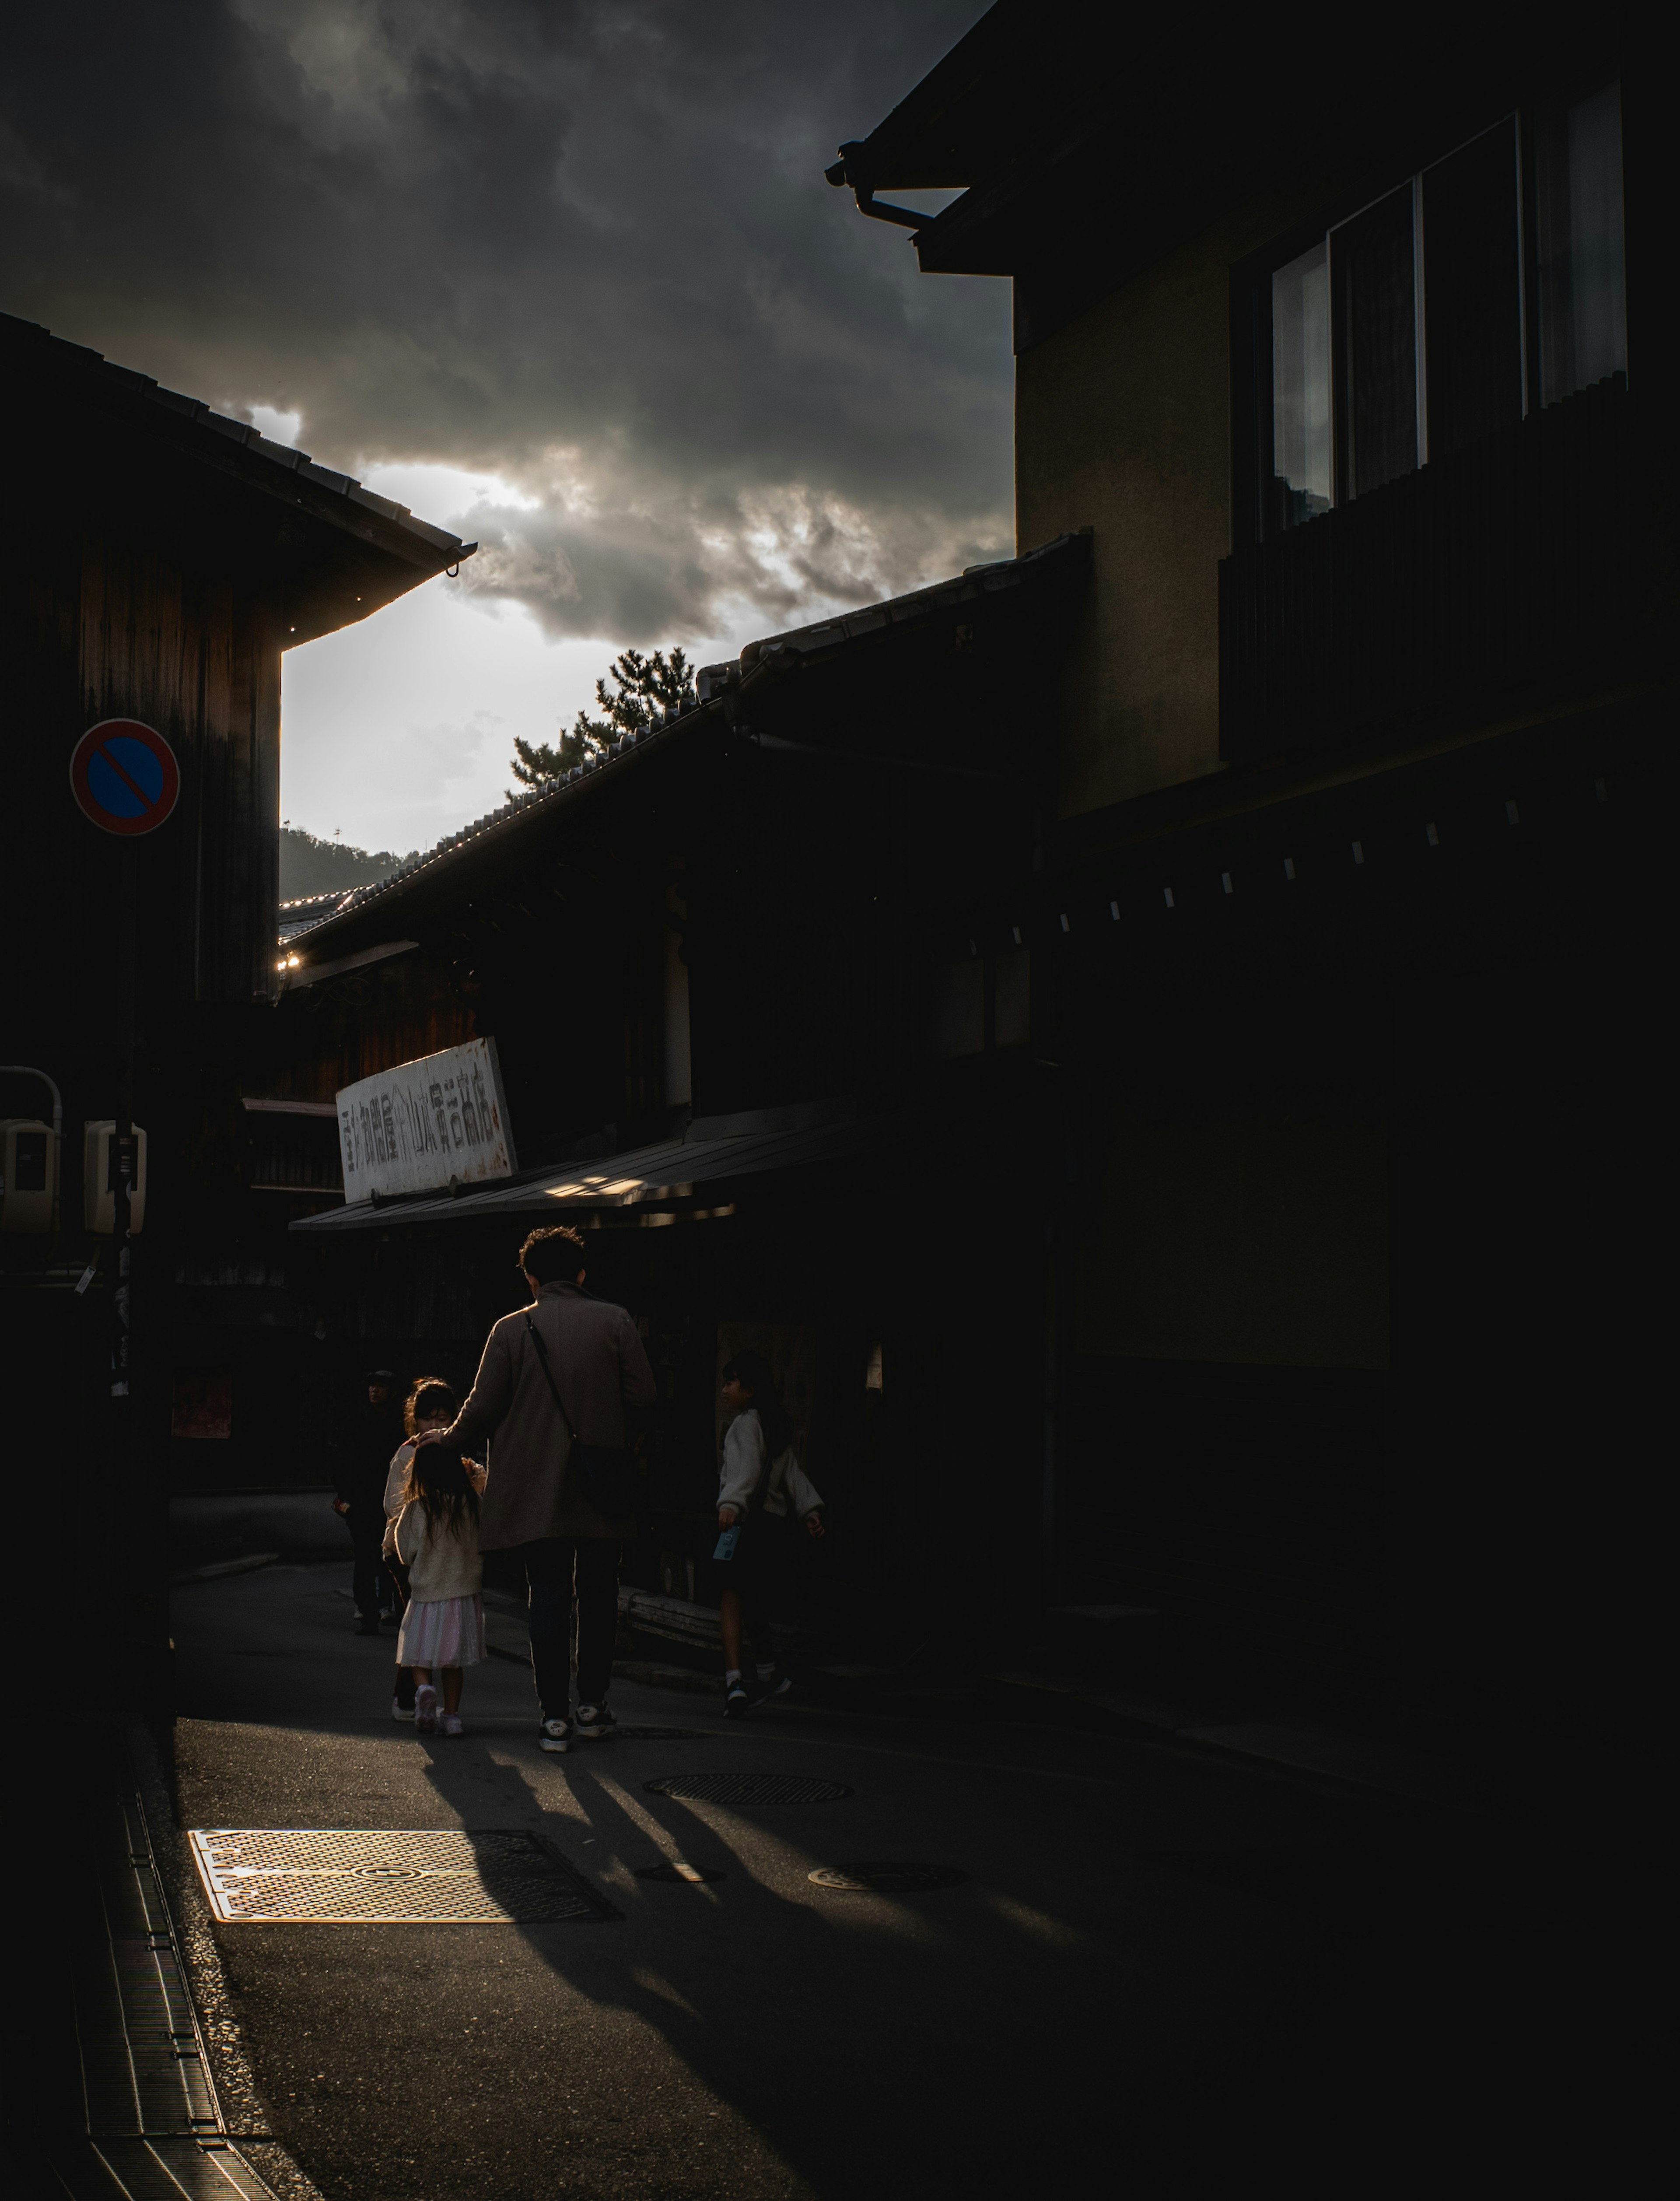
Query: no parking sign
[(124, 776)]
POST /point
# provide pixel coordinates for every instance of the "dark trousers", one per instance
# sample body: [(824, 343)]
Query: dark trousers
[(553, 1565), (366, 1525)]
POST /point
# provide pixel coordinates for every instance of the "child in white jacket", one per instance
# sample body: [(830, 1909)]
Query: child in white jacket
[(436, 1540), (760, 1481)]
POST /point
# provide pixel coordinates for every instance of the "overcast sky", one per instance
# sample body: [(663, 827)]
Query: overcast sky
[(562, 275)]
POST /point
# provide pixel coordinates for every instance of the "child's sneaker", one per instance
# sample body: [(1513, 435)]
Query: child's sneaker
[(554, 1734), (595, 1720), (451, 1724), (400, 1711), (425, 1709)]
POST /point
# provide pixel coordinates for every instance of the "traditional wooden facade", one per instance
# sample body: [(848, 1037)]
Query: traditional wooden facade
[(727, 1056), (169, 557)]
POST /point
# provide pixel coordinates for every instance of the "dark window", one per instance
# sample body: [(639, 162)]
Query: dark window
[(1374, 292), (1301, 471), (1578, 197), (1473, 290), (1399, 333)]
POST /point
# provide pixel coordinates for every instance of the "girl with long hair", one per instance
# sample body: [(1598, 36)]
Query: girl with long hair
[(436, 1539), (431, 1406)]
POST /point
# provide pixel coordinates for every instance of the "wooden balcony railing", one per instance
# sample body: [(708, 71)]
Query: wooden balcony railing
[(1506, 560)]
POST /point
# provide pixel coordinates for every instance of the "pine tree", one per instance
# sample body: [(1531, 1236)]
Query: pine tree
[(643, 684)]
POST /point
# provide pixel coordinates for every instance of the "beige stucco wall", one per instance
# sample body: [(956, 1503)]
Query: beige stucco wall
[(1123, 425)]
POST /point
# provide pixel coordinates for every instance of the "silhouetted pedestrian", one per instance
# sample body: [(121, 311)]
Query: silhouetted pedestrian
[(364, 1462), (759, 1483), (431, 1405), (554, 1398), (436, 1541)]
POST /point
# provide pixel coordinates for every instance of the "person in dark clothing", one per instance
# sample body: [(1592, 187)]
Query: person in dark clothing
[(566, 1375), (365, 1453)]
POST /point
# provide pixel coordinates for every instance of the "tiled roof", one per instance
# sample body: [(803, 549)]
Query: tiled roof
[(298, 915), (38, 346), (759, 661)]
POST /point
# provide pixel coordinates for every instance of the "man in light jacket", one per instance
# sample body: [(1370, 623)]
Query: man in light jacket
[(531, 1503)]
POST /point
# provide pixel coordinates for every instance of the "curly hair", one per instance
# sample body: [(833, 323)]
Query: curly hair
[(554, 1255)]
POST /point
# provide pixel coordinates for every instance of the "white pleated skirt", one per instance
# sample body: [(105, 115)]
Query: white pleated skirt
[(446, 1631)]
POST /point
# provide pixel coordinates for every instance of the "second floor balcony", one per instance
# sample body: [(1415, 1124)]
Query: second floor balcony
[(1511, 559)]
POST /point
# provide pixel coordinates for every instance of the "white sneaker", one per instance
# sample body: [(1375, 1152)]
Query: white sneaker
[(451, 1724), (397, 1712), (425, 1709), (554, 1734)]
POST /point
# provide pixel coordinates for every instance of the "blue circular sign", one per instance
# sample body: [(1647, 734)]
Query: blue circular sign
[(124, 776)]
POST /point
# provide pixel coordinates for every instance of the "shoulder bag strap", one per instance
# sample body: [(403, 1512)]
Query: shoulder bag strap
[(548, 1376)]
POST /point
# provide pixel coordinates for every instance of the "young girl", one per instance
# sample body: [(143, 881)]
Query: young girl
[(431, 1405), (759, 1476), (437, 1538)]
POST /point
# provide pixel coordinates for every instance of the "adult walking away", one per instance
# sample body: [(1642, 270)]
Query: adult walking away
[(364, 1461), (556, 1399), (759, 1481)]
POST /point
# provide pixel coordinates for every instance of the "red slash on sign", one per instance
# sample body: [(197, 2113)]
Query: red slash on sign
[(125, 776)]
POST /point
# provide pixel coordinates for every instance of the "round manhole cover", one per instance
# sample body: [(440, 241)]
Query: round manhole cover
[(886, 1878), (690, 1875), (746, 1788), (661, 1734)]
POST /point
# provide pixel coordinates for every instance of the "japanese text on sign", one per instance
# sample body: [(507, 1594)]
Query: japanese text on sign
[(415, 1127)]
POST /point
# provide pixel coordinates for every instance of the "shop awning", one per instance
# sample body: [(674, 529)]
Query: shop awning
[(695, 1176)]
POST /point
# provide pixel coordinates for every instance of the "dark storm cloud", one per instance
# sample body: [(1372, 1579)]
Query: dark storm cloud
[(588, 248)]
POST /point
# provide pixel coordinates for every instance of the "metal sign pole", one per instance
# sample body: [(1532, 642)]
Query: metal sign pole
[(124, 1135), (125, 779), (126, 1510)]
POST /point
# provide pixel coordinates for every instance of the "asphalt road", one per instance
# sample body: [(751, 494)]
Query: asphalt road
[(1159, 1973)]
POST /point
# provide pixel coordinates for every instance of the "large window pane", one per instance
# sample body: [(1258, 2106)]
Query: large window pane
[(1372, 274), (1583, 302), (1472, 288), (1300, 459)]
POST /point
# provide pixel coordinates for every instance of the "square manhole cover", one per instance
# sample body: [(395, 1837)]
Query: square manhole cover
[(747, 1788), (389, 1876)]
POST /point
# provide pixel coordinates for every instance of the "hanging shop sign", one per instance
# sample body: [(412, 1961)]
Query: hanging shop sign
[(124, 776), (424, 1126)]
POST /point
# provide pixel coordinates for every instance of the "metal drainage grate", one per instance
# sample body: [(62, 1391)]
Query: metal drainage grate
[(747, 1788), (689, 1873), (663, 1735), (886, 1878), (332, 1875)]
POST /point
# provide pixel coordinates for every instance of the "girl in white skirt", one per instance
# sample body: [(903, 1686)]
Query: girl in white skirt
[(436, 1540)]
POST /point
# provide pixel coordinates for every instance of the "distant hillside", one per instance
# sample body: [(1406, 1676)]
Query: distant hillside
[(311, 866)]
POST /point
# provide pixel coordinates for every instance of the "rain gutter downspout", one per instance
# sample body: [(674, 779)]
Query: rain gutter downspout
[(840, 173)]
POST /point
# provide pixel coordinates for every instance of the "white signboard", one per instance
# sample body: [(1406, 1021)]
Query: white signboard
[(414, 1127)]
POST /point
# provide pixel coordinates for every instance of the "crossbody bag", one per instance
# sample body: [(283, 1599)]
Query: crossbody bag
[(606, 1473)]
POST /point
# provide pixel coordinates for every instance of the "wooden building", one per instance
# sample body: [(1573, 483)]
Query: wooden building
[(170, 556), (727, 1056), (1349, 937)]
